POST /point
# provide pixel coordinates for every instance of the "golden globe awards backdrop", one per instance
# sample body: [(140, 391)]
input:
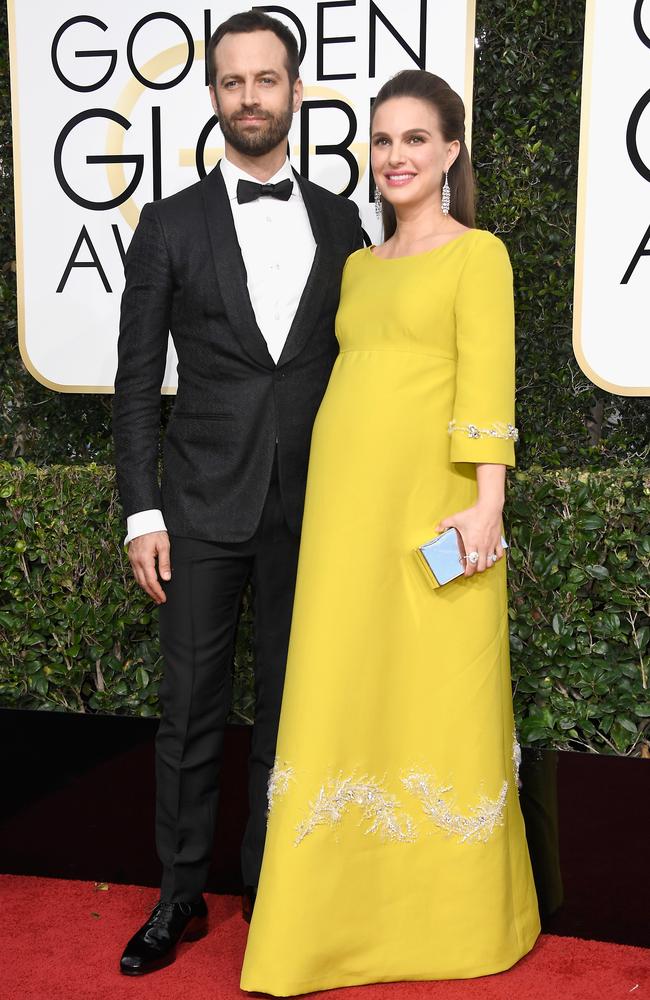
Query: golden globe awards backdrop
[(111, 110), (611, 331)]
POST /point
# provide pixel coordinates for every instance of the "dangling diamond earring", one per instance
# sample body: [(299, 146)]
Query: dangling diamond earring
[(445, 201), (377, 202)]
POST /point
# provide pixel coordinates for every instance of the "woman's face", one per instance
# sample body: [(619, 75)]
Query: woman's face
[(408, 152)]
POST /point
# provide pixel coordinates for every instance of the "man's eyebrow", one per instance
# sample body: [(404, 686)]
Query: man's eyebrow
[(238, 76)]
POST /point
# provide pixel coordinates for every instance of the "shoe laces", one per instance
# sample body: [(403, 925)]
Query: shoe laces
[(162, 913)]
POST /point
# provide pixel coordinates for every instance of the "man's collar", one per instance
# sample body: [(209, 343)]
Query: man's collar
[(231, 174)]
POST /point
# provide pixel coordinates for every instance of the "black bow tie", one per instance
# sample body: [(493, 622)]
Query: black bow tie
[(250, 191)]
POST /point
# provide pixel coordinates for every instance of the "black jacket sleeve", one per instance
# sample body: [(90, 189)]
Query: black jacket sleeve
[(357, 237), (142, 352)]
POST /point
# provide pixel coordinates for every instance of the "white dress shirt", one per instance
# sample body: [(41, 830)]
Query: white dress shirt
[(277, 246)]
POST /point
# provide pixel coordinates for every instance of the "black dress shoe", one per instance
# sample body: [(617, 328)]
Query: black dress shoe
[(154, 945), (248, 902)]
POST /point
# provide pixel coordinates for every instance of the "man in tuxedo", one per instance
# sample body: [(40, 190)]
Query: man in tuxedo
[(244, 268)]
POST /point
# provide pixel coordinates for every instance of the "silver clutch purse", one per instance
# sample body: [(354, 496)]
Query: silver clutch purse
[(443, 558)]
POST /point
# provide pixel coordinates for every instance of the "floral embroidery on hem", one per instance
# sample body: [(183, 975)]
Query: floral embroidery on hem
[(377, 805), (280, 777), (516, 759), (475, 826), (506, 432), (385, 813)]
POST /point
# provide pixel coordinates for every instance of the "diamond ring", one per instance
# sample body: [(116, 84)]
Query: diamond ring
[(472, 557), (492, 558)]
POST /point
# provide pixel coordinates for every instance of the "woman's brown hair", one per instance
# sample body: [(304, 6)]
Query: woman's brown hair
[(450, 109)]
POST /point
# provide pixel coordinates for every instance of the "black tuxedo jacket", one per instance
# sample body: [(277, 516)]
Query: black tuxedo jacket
[(185, 274)]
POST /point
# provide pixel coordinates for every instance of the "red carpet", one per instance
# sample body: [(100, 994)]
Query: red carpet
[(62, 941)]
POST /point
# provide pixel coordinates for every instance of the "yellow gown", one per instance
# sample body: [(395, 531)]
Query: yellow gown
[(396, 846)]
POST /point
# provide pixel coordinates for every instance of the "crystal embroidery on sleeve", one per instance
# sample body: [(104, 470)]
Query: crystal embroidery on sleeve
[(505, 432), (377, 805), (279, 778), (477, 825)]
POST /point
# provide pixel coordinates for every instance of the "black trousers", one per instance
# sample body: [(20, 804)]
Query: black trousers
[(197, 630)]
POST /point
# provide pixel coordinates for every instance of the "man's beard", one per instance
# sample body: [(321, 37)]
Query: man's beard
[(262, 139)]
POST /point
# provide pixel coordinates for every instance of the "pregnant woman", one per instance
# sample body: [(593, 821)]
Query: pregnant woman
[(396, 846)]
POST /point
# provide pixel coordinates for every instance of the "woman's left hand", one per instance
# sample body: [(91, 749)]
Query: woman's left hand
[(480, 530)]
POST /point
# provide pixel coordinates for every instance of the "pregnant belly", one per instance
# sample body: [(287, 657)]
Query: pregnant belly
[(383, 403), (380, 477)]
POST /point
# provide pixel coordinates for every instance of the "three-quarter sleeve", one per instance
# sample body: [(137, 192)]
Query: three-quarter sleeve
[(482, 428)]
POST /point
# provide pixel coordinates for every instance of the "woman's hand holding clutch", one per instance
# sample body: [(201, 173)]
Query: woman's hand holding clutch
[(480, 530)]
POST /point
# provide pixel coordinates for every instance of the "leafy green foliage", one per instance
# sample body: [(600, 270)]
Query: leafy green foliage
[(77, 634), (580, 608)]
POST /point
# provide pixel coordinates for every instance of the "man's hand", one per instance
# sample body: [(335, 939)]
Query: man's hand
[(143, 553)]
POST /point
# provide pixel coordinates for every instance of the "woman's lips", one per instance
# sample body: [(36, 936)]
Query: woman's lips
[(398, 179)]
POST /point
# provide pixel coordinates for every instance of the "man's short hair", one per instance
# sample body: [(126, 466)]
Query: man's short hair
[(247, 22)]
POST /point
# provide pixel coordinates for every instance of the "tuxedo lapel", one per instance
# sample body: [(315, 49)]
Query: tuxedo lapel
[(230, 269), (316, 287)]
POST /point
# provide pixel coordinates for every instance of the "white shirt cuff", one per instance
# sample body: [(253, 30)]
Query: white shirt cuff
[(142, 523)]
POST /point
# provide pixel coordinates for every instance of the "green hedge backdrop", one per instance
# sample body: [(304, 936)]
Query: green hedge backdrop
[(76, 635)]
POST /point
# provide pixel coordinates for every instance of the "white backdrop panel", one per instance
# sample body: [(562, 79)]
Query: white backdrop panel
[(611, 333), (68, 313)]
